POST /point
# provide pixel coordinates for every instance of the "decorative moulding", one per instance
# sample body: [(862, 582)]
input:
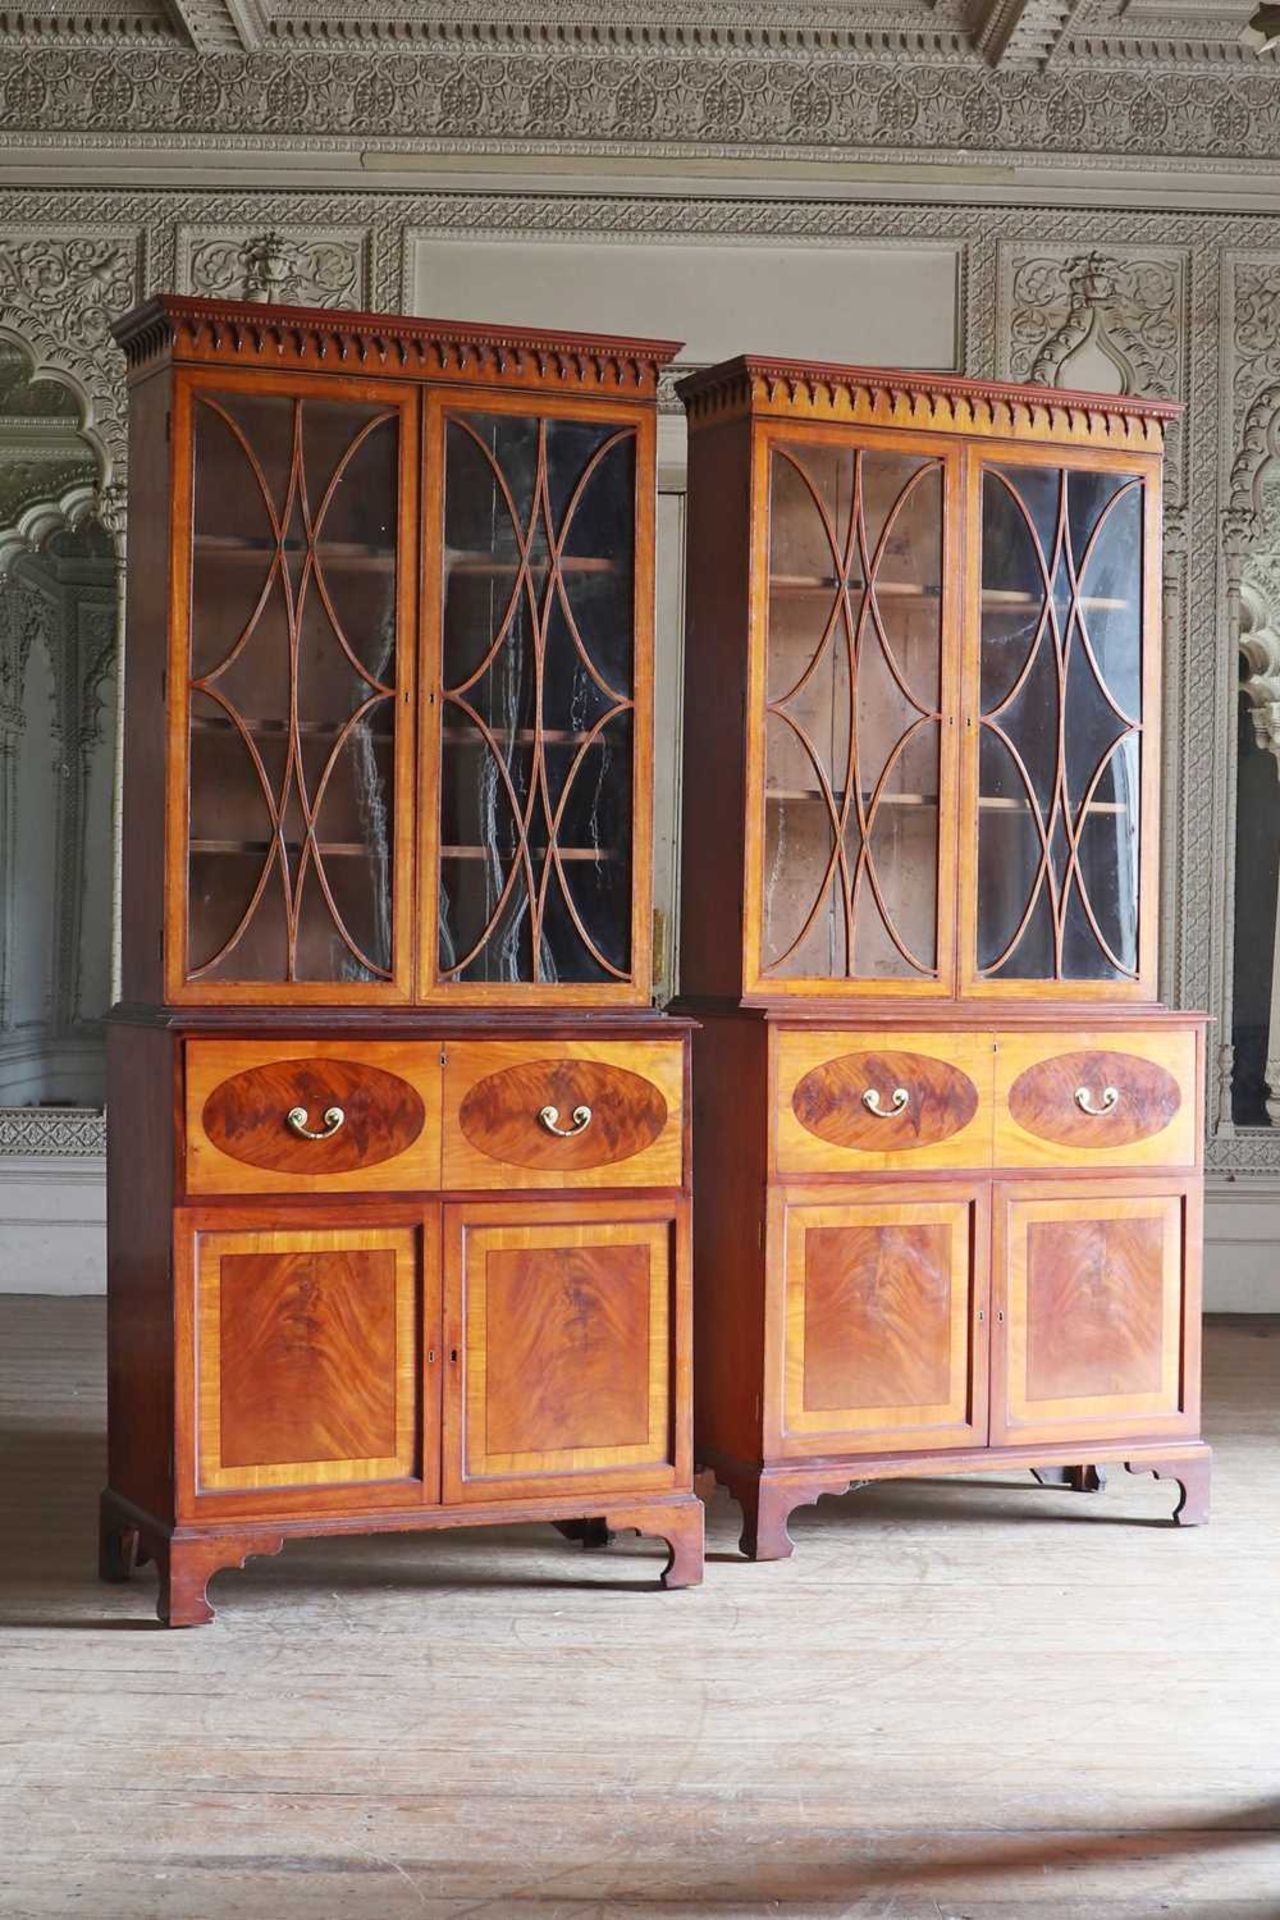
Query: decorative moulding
[(71, 1132), (208, 331), (880, 396)]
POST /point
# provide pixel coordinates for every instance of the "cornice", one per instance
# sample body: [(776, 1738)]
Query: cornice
[(218, 331), (882, 396), (683, 101)]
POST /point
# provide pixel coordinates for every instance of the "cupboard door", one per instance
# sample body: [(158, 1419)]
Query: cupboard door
[(538, 723), (567, 1347), (851, 867), (885, 1330), (1097, 1305), (291, 773), (307, 1360), (1063, 754)]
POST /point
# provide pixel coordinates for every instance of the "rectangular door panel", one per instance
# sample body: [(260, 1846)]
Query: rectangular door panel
[(885, 1322), (1097, 1297), (537, 722), (1104, 1097), (1061, 774), (562, 1326), (867, 1101), (851, 759), (290, 797), (307, 1359)]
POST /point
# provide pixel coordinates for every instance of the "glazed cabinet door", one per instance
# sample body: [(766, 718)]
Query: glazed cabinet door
[(537, 708), (291, 690), (305, 1366), (1062, 719), (885, 1302), (852, 741), (566, 1329), (1097, 1311)]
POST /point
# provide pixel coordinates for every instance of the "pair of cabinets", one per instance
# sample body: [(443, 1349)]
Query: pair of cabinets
[(467, 1354), (967, 1314)]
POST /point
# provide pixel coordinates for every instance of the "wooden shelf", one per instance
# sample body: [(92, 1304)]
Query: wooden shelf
[(279, 729), (987, 803), (485, 564), (539, 853), (350, 556), (996, 598), (522, 736), (786, 796), (258, 849)]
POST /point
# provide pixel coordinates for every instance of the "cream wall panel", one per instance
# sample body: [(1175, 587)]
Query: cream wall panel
[(890, 306)]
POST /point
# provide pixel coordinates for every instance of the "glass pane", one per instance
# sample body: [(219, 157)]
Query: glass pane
[(536, 701), (1059, 767), (852, 719), (293, 689)]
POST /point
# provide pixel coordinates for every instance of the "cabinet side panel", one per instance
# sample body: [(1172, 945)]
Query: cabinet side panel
[(730, 1094), (140, 1154), (715, 685), (145, 728)]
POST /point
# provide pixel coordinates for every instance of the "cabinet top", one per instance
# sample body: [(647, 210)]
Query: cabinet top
[(181, 328), (938, 402)]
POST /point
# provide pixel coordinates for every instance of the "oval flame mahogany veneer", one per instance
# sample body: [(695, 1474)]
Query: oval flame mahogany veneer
[(1043, 1099), (499, 1115), (828, 1101), (245, 1115)]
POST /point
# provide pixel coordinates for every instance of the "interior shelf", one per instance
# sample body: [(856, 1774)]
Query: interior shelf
[(995, 598), (987, 803), (349, 555), (492, 563), (279, 729), (504, 855), (258, 849), (521, 736)]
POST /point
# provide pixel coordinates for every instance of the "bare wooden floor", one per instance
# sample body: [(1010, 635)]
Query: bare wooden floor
[(955, 1702)]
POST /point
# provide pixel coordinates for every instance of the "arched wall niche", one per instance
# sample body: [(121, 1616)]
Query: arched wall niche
[(61, 578)]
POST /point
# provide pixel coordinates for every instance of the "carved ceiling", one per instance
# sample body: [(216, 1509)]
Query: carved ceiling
[(1007, 34)]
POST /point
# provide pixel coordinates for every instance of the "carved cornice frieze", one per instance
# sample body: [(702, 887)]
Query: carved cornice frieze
[(211, 331), (884, 398), (675, 99)]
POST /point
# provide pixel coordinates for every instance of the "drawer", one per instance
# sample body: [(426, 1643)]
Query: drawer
[(882, 1102), (561, 1113), (311, 1116), (1097, 1097)]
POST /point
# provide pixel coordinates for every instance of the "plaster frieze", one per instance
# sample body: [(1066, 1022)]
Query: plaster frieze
[(670, 100), (301, 266)]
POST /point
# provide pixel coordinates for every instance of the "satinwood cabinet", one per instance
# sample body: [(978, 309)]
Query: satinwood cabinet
[(399, 1150), (947, 1164)]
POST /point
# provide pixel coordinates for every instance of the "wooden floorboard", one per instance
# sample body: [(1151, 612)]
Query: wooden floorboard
[(959, 1701)]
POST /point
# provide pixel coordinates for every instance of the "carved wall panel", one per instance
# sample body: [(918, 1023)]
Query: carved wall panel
[(301, 266)]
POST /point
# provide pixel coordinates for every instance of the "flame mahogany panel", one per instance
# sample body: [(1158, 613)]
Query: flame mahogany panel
[(566, 1347), (828, 1101), (1095, 1307), (245, 1115), (306, 1357), (1043, 1099), (877, 1316)]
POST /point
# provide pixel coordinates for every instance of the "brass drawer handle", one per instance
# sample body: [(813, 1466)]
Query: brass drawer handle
[(1084, 1100), (549, 1117), (898, 1100), (296, 1121)]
